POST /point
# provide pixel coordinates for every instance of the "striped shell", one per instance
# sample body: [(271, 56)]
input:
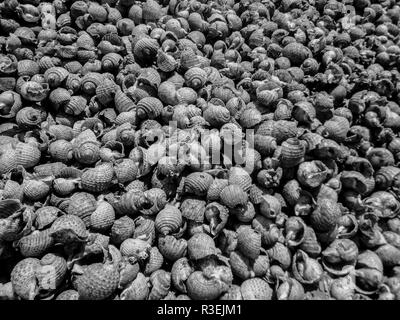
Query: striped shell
[(385, 176), (10, 104), (27, 68), (306, 270), (249, 242), (55, 76), (36, 190), (337, 128), (234, 197), (180, 272), (52, 272), (256, 289), (199, 287), (168, 220), (172, 248), (292, 152), (61, 150), (97, 179), (35, 244), (125, 170), (325, 216), (161, 282), (136, 248), (215, 189), (98, 281), (198, 183), (156, 260), (199, 246), (193, 209), (67, 229), (23, 278), (166, 62), (82, 205), (146, 49), (239, 176), (28, 117), (216, 115), (138, 290), (34, 91), (149, 108), (149, 76), (195, 78), (122, 229), (45, 216), (102, 219)]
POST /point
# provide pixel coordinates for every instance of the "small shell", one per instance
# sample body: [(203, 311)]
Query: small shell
[(35, 244), (45, 216), (195, 78), (136, 248), (234, 197), (292, 153), (199, 246), (138, 290), (155, 262), (215, 189), (256, 289), (82, 204), (161, 282), (122, 229), (97, 179), (68, 228), (36, 190), (168, 220), (27, 68), (305, 269), (337, 128), (201, 288), (28, 117), (55, 76), (149, 108), (180, 272), (249, 118), (23, 278), (171, 248), (193, 209), (239, 176), (53, 269), (198, 183), (249, 242), (97, 282), (166, 62), (61, 150), (151, 11), (216, 115), (325, 216), (102, 219)]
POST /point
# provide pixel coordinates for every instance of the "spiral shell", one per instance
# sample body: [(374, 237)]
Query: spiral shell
[(249, 242), (199, 246), (149, 108), (168, 220), (97, 179), (256, 289), (122, 229), (200, 287), (171, 248), (97, 282), (198, 183), (23, 278), (292, 152), (35, 244), (82, 205), (234, 197), (68, 228)]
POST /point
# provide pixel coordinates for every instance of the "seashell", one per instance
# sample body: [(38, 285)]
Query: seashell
[(68, 228), (82, 205), (306, 270), (325, 216), (111, 61), (35, 190), (35, 244), (249, 242), (52, 272), (168, 220), (249, 118), (199, 287), (166, 62), (215, 189), (76, 105), (97, 179), (369, 272), (90, 81), (97, 282), (54, 76), (312, 174), (234, 198), (337, 128), (97, 12), (385, 176), (200, 246), (34, 91), (27, 68), (198, 183), (68, 295), (149, 108), (23, 278), (290, 289), (292, 152), (149, 76), (10, 104), (280, 255), (270, 206), (146, 49), (102, 219), (136, 248), (155, 262), (73, 81), (59, 97), (161, 282), (45, 216), (122, 229), (9, 64), (138, 290), (256, 289), (61, 150), (171, 248), (195, 78)]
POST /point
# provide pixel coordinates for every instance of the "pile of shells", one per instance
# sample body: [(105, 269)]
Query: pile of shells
[(199, 149)]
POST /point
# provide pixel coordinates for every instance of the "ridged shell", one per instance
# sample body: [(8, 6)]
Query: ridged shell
[(97, 179), (161, 282), (28, 117), (168, 220), (52, 272), (198, 183), (201, 288), (249, 242), (180, 272), (55, 76), (155, 262), (171, 248), (122, 229), (122, 102), (234, 197), (149, 76), (82, 204), (195, 78), (35, 244), (138, 290), (68, 228), (98, 281), (292, 152), (45, 216), (61, 150), (239, 176), (102, 219), (337, 128), (199, 246), (216, 115), (136, 248), (166, 62), (27, 68), (146, 49), (256, 289), (215, 189), (149, 108), (36, 190), (325, 216), (23, 278)]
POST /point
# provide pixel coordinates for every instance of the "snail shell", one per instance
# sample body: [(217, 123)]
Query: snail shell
[(35, 244), (67, 229), (234, 197), (23, 278), (256, 289), (155, 262), (305, 269), (198, 183), (55, 76), (171, 248), (138, 290), (97, 179), (149, 108), (161, 282), (199, 246), (122, 229), (102, 219), (82, 204), (168, 220), (180, 272), (135, 248), (292, 152), (97, 282), (52, 272), (199, 287), (249, 242)]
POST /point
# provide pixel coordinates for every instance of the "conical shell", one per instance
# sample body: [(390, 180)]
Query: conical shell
[(168, 220)]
